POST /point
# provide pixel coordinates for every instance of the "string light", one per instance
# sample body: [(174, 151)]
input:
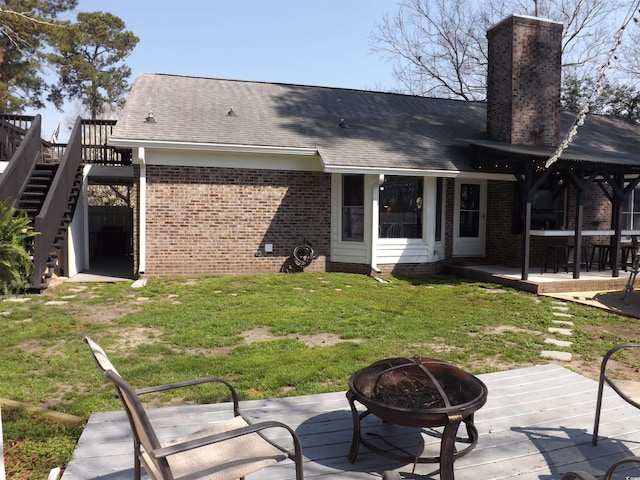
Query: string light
[(597, 88)]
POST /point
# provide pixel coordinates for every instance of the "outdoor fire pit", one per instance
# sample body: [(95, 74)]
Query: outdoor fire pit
[(418, 392)]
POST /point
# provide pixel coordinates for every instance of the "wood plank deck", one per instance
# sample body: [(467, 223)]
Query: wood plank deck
[(536, 424)]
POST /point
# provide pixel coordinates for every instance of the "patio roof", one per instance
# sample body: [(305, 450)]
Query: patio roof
[(537, 423), (574, 153)]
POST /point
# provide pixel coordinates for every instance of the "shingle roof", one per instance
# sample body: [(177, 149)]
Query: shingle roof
[(384, 131)]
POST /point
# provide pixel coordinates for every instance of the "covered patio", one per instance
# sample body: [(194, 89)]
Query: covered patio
[(597, 173), (536, 424)]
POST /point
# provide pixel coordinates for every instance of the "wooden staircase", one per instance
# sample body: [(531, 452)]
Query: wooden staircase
[(48, 191), (45, 180), (37, 188), (33, 199)]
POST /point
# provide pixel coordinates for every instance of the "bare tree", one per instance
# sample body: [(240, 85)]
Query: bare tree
[(439, 47)]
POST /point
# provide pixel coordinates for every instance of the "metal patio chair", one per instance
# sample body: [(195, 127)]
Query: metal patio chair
[(616, 385), (226, 450)]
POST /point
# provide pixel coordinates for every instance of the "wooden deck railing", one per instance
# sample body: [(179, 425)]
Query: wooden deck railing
[(27, 154), (95, 142)]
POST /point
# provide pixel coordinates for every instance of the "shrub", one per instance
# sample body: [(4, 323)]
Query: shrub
[(15, 262)]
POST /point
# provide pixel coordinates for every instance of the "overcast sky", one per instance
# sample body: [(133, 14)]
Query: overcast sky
[(310, 42)]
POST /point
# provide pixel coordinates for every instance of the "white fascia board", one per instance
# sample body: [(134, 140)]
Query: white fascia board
[(417, 172), (212, 147), (109, 171)]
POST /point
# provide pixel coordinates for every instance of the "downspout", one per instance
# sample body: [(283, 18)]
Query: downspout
[(375, 221), (142, 213), (86, 259)]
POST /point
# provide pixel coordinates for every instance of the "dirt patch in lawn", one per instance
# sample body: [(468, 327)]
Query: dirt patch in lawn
[(500, 329), (36, 346), (263, 334), (104, 313), (130, 338)]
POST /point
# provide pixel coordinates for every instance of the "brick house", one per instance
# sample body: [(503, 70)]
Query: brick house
[(231, 175)]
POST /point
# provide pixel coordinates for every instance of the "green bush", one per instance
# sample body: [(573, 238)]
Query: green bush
[(15, 262)]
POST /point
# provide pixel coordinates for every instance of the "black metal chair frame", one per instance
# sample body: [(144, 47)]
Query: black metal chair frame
[(604, 378)]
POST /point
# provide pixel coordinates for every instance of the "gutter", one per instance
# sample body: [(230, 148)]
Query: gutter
[(211, 147)]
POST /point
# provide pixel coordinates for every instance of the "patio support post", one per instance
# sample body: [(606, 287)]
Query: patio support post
[(616, 222), (579, 218), (526, 227)]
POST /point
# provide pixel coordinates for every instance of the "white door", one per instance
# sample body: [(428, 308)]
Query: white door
[(469, 222)]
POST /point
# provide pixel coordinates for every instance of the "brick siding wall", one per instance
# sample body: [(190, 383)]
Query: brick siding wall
[(523, 81), (503, 247), (216, 221)]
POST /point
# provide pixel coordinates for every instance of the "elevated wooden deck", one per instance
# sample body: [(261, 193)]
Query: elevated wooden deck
[(537, 424)]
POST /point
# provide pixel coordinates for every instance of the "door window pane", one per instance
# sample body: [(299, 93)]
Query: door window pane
[(469, 210)]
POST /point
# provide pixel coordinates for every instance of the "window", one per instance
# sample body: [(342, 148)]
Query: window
[(401, 207), (631, 211), (353, 208), (548, 207)]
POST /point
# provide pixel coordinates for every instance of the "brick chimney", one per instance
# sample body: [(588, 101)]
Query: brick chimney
[(523, 83)]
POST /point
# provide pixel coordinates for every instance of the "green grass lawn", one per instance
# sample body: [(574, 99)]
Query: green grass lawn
[(270, 335)]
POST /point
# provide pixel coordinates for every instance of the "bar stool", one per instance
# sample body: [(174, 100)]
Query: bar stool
[(627, 250), (556, 256), (604, 256), (584, 260)]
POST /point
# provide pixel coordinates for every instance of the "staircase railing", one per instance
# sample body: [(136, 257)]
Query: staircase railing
[(13, 128), (15, 177), (49, 220)]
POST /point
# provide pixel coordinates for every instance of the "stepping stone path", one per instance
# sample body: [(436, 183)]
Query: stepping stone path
[(562, 328)]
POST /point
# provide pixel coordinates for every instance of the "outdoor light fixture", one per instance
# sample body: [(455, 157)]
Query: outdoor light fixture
[(150, 118)]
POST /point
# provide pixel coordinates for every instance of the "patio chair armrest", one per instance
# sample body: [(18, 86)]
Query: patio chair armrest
[(609, 354), (220, 437), (190, 383), (613, 350)]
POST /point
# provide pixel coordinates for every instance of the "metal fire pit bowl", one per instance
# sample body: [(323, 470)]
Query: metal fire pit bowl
[(418, 392)]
